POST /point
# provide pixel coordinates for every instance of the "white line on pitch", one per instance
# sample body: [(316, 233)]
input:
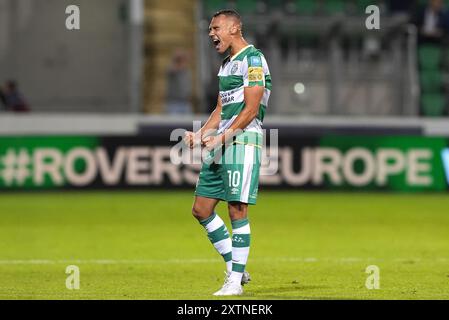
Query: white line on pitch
[(201, 261)]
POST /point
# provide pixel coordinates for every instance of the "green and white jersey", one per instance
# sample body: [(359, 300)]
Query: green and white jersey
[(246, 69)]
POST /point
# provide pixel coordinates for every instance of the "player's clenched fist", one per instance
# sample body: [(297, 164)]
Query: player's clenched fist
[(212, 142), (188, 138), (191, 139)]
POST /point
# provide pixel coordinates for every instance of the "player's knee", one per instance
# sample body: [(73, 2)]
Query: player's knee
[(237, 210), (198, 212), (195, 212)]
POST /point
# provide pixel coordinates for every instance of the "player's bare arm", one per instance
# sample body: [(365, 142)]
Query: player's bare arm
[(212, 123)]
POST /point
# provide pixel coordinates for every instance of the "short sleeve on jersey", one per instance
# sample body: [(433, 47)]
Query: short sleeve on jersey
[(254, 75)]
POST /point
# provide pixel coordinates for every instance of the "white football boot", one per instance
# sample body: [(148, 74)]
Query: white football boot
[(230, 289)]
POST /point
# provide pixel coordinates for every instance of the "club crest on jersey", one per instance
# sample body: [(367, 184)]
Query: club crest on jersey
[(234, 68)]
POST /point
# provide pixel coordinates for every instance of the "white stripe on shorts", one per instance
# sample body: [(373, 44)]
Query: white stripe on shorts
[(248, 163)]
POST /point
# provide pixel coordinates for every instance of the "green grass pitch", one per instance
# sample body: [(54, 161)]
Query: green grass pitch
[(146, 245)]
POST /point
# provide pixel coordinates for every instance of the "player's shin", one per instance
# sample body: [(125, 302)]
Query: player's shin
[(219, 237), (241, 234)]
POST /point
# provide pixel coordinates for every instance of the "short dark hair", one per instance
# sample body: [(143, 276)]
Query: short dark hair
[(228, 13)]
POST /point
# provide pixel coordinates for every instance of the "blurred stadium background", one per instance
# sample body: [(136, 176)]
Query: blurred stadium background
[(363, 124)]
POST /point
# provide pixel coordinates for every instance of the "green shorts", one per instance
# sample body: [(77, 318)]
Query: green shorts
[(234, 175)]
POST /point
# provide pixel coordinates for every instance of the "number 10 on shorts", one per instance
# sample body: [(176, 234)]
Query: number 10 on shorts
[(234, 178)]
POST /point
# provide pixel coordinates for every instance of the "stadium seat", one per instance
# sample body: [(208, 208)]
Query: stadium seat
[(212, 6), (431, 81), (274, 4), (246, 6), (334, 6), (429, 56), (433, 105), (306, 7), (363, 4), (425, 2)]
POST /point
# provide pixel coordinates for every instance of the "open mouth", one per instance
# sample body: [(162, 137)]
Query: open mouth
[(216, 43)]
